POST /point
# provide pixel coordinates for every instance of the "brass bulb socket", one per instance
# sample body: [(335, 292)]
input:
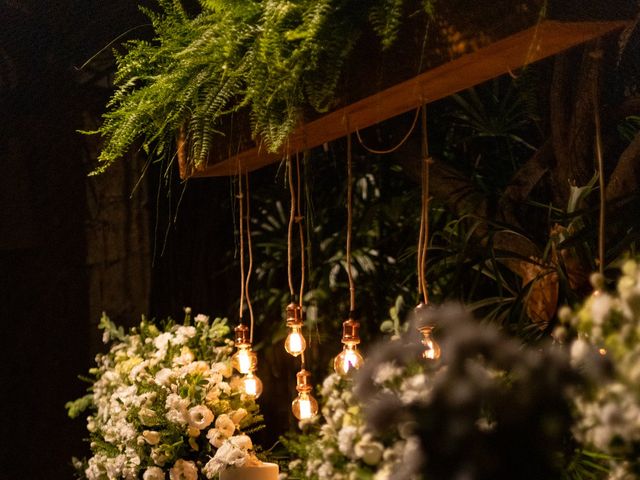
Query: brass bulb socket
[(294, 315), (242, 336), (303, 381), (350, 332)]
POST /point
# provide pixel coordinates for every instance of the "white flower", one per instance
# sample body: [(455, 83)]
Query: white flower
[(147, 416), (238, 415), (386, 372), (153, 473), (164, 376), (200, 318), (183, 334), (242, 441), (346, 439), (151, 437), (183, 470), (215, 437), (225, 425), (368, 450), (601, 308), (325, 472), (177, 409), (200, 417), (579, 351), (415, 389), (159, 456), (223, 368), (234, 452)]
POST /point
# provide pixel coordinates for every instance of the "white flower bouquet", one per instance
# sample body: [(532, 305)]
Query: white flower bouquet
[(608, 325), (339, 446), (165, 404)]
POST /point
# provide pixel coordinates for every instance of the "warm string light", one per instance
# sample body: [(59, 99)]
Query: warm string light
[(431, 347), (350, 358), (245, 360), (304, 406)]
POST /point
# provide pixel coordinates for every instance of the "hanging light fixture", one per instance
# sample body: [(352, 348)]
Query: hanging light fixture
[(245, 360), (295, 343), (350, 358), (431, 348), (304, 406)]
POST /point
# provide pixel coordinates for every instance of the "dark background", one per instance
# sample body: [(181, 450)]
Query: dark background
[(72, 245)]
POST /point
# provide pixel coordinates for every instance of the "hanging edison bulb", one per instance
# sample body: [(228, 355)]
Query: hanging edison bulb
[(245, 359), (350, 358), (295, 343), (431, 347), (304, 406), (252, 385)]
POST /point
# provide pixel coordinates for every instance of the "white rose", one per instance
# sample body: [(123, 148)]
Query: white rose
[(242, 441), (183, 470), (238, 415), (200, 318), (225, 425), (153, 473), (200, 417), (215, 438), (231, 454)]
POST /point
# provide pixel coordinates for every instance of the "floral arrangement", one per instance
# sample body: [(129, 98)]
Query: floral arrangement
[(164, 403), (607, 325), (339, 446)]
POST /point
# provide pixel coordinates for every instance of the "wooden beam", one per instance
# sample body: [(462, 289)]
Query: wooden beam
[(504, 56)]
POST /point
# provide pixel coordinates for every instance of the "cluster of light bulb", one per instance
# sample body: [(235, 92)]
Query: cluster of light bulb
[(245, 361), (304, 406), (350, 358)]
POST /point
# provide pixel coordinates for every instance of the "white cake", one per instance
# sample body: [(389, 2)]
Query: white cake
[(264, 471)]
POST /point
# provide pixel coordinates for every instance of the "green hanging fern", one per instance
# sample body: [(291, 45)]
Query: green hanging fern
[(273, 57)]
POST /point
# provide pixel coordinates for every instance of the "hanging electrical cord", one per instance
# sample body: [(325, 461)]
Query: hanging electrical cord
[(424, 325), (250, 250), (245, 360), (424, 221), (295, 343), (396, 147), (352, 289), (299, 218), (241, 224), (350, 358), (292, 216), (601, 181)]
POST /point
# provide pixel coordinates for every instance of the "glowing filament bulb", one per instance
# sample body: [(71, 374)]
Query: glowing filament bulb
[(244, 360), (295, 343), (348, 360), (304, 406), (252, 385), (431, 347)]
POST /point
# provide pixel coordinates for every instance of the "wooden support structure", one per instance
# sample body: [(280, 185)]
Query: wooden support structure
[(504, 56)]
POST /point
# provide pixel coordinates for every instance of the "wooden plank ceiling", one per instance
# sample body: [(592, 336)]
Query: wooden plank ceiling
[(503, 56)]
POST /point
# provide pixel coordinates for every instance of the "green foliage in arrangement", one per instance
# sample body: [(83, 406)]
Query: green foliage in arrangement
[(273, 58)]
